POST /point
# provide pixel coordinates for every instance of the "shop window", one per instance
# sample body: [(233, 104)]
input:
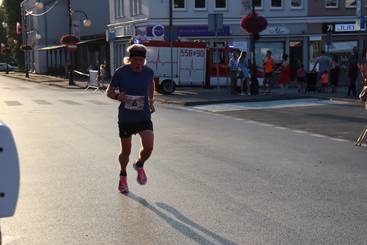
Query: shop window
[(297, 4), (200, 4), (350, 3), (331, 3), (220, 4), (276, 4), (178, 4)]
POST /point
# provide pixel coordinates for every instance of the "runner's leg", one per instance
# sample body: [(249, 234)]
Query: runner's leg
[(125, 153), (147, 142)]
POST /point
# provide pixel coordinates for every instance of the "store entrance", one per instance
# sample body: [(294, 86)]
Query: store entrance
[(295, 57)]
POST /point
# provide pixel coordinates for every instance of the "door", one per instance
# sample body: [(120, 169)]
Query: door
[(295, 57)]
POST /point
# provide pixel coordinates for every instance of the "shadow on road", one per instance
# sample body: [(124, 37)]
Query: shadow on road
[(181, 227)]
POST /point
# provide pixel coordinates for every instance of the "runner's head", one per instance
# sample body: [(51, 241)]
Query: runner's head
[(136, 58)]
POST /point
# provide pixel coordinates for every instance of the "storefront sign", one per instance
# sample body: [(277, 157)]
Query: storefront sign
[(338, 28), (158, 31), (184, 31), (275, 30)]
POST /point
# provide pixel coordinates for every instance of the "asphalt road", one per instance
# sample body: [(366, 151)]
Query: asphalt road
[(212, 179)]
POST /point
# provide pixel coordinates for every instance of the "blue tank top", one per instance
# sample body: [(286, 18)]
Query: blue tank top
[(137, 86)]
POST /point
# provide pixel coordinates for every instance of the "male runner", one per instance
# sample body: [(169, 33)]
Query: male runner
[(133, 85)]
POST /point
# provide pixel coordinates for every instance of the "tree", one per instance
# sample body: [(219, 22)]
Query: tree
[(3, 38), (12, 13)]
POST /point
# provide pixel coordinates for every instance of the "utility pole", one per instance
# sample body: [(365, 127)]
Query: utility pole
[(71, 69)]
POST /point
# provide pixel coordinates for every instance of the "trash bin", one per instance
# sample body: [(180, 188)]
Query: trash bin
[(311, 81), (93, 81)]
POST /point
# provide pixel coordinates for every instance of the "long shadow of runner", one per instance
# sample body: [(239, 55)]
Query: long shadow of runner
[(187, 221), (185, 230)]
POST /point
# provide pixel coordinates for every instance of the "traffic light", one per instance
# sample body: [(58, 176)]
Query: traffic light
[(18, 29)]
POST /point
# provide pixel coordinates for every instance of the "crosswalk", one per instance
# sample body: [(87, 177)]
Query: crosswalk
[(266, 105), (14, 103)]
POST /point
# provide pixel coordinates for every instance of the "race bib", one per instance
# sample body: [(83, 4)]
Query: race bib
[(135, 103)]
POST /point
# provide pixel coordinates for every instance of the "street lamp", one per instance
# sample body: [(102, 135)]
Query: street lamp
[(254, 24), (86, 23)]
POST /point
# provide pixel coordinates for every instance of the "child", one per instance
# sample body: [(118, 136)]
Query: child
[(301, 78), (324, 81)]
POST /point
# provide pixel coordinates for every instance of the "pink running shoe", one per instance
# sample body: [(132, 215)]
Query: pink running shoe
[(123, 188), (141, 178)]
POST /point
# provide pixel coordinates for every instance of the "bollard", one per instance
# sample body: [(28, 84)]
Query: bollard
[(9, 172)]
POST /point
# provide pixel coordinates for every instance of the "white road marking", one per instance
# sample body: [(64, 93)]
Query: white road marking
[(267, 104), (299, 131), (319, 135)]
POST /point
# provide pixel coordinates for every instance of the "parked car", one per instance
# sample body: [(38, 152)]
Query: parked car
[(10, 67)]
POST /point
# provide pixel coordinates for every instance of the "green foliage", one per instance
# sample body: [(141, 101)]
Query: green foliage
[(12, 14)]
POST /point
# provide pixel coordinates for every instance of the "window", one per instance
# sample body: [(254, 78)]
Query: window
[(276, 3), (135, 7), (200, 4), (178, 4), (331, 3), (259, 4), (220, 4), (350, 3), (119, 8), (296, 4), (120, 51)]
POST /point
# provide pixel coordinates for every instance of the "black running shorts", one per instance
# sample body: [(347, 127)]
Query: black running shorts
[(128, 129)]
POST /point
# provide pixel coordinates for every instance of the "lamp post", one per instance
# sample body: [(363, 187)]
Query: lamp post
[(87, 23), (253, 24)]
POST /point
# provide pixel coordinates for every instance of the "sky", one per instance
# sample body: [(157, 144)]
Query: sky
[(1, 1)]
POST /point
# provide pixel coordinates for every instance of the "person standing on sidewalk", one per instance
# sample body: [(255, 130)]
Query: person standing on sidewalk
[(243, 66), (268, 72), (133, 86), (334, 74), (324, 64), (233, 69), (285, 73), (353, 71)]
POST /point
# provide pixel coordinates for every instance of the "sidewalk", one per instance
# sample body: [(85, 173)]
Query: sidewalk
[(188, 96)]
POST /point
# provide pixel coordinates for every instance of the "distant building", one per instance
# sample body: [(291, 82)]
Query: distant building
[(52, 22)]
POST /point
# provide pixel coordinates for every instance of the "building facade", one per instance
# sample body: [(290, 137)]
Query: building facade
[(43, 29), (332, 28)]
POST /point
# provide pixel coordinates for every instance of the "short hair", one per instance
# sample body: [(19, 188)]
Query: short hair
[(138, 49)]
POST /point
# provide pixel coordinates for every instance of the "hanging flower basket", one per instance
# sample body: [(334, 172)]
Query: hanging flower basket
[(26, 47), (69, 39), (253, 23)]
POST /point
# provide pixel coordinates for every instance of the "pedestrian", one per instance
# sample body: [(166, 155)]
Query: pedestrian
[(243, 66), (353, 71), (285, 73), (268, 72), (103, 73), (324, 64), (301, 78), (324, 81), (133, 86), (334, 75), (233, 70)]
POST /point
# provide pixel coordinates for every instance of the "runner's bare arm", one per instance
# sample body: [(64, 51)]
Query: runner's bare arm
[(151, 97)]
